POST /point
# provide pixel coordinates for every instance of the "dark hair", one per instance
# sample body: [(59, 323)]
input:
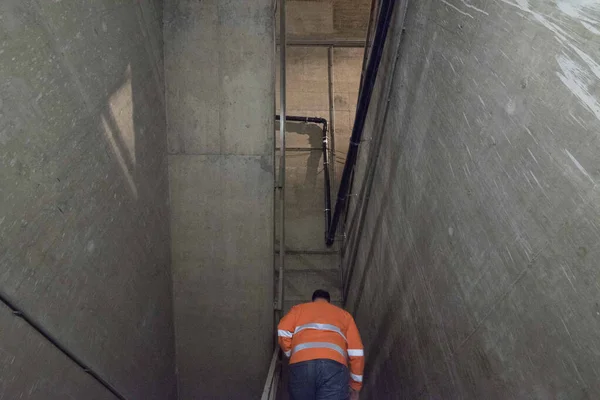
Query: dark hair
[(321, 294)]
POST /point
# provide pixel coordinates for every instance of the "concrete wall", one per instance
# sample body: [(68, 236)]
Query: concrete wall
[(476, 269), (31, 368), (83, 207), (327, 19), (220, 107)]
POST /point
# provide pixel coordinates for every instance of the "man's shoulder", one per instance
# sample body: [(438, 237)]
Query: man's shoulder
[(343, 312), (329, 306), (346, 313)]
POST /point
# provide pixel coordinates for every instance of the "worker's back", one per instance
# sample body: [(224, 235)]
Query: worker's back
[(319, 322), (322, 331)]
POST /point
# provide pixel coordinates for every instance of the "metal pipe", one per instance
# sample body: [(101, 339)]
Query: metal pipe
[(324, 149), (295, 118), (350, 43), (276, 380), (327, 198), (56, 343), (301, 149), (309, 252), (357, 219), (330, 82), (368, 43), (282, 106), (275, 181), (385, 16)]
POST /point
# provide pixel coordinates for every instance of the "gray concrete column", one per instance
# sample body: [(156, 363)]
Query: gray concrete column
[(220, 109)]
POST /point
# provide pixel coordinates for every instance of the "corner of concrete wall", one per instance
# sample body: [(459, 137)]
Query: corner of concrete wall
[(84, 217), (475, 267)]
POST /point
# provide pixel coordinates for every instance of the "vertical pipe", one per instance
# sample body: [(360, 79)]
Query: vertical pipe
[(282, 111), (327, 183), (275, 181), (362, 108), (330, 77), (374, 7)]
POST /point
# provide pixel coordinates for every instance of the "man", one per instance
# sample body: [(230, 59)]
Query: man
[(322, 341)]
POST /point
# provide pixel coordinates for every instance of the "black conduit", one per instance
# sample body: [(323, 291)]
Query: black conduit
[(366, 91), (327, 197), (42, 331)]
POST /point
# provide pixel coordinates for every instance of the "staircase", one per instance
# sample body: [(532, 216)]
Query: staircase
[(309, 264), (305, 272)]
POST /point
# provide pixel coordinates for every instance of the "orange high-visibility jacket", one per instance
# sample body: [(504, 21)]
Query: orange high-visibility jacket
[(317, 330)]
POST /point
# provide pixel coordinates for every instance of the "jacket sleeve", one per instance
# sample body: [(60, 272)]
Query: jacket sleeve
[(356, 355), (285, 331)]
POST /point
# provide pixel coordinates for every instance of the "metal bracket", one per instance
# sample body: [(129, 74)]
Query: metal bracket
[(341, 237)]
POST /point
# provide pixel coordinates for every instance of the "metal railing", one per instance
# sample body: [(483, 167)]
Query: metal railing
[(273, 377), (274, 374)]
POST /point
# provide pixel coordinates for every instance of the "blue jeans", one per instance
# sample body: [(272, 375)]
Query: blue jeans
[(320, 379)]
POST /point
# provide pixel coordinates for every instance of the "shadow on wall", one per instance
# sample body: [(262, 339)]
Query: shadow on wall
[(84, 222), (315, 141)]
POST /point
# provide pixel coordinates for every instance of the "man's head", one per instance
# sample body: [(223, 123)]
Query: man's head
[(321, 295)]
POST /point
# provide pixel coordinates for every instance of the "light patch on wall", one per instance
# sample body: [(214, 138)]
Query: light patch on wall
[(119, 129), (578, 80), (467, 5), (121, 108), (582, 10), (590, 28), (579, 166)]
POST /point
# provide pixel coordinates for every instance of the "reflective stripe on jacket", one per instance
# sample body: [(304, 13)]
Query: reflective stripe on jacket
[(321, 330)]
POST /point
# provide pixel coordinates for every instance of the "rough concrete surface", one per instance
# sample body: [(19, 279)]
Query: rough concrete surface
[(327, 19), (475, 265), (31, 368), (220, 107), (83, 207)]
